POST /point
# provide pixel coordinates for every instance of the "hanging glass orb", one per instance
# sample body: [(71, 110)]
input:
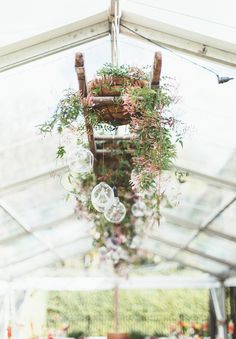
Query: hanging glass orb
[(69, 138), (116, 212), (68, 182), (139, 209), (173, 195), (81, 160), (102, 196)]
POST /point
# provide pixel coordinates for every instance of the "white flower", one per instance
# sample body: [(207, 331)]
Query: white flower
[(97, 235)]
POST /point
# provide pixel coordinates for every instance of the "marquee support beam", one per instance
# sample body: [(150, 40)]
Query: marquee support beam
[(54, 41), (174, 41)]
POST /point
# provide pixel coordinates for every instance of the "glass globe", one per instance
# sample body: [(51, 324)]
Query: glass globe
[(68, 182), (69, 138), (116, 212), (102, 196), (173, 195), (139, 209), (81, 160)]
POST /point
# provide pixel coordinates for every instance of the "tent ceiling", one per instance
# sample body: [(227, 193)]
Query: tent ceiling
[(171, 29), (54, 41), (37, 224)]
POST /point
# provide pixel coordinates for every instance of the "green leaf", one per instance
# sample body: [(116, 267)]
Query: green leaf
[(60, 152)]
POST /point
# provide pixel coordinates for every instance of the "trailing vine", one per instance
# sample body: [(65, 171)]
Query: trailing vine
[(136, 166)]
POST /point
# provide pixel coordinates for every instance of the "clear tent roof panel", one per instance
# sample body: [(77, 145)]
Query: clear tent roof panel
[(19, 249), (159, 248), (34, 261), (65, 231), (198, 200), (8, 226), (215, 246), (225, 222), (28, 265), (201, 263), (39, 203), (187, 18), (43, 16), (173, 233)]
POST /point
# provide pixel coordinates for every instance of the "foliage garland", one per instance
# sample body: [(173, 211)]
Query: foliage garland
[(154, 138)]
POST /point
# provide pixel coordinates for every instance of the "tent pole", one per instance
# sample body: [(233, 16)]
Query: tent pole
[(114, 19), (218, 298)]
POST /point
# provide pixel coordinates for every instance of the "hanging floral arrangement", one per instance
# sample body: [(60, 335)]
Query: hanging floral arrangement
[(121, 187)]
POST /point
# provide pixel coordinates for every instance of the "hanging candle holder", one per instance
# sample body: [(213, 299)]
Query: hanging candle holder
[(117, 211), (81, 160), (102, 196)]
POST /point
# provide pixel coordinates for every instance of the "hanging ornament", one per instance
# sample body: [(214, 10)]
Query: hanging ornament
[(116, 212), (81, 160), (69, 138), (68, 182), (139, 209), (173, 195), (102, 196)]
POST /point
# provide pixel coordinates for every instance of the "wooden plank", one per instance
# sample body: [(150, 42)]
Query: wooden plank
[(110, 151), (105, 100), (90, 133), (80, 70), (110, 100), (156, 70), (113, 137)]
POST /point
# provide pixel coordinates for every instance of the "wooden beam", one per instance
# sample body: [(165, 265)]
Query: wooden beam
[(54, 41), (112, 137), (110, 100), (156, 70), (80, 71), (90, 133)]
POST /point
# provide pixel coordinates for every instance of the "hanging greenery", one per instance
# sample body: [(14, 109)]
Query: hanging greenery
[(139, 167)]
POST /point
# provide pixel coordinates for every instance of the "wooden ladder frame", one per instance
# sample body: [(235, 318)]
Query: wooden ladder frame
[(81, 75)]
